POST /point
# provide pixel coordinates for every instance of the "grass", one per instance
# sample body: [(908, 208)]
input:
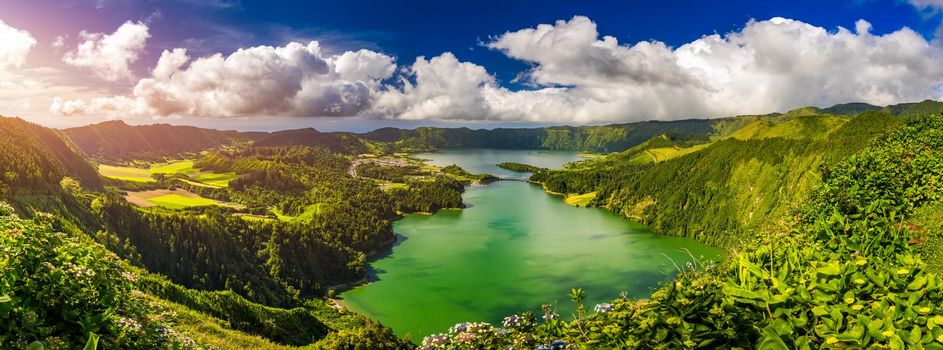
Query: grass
[(590, 155), (194, 183), (176, 201), (216, 179), (803, 127), (281, 216), (181, 167), (185, 167), (392, 185), (666, 153), (209, 330), (125, 173), (580, 200), (251, 217), (929, 222), (308, 214)]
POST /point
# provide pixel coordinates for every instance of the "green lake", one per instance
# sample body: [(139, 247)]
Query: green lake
[(514, 248)]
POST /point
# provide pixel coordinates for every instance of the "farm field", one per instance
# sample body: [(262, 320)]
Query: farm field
[(580, 200), (173, 199), (215, 179), (181, 167), (125, 173), (186, 167)]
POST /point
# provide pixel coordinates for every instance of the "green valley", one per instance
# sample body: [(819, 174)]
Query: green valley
[(814, 228)]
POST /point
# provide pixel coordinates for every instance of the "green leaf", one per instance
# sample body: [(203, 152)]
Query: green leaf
[(917, 283), (770, 340), (733, 291), (6, 305), (833, 268), (92, 343), (36, 345), (915, 336), (777, 299), (749, 266)]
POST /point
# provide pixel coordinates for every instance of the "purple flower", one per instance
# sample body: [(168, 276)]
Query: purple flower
[(603, 307), (512, 321), (435, 341), (458, 328)]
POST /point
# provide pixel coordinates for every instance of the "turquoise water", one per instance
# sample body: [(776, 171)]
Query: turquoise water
[(513, 249)]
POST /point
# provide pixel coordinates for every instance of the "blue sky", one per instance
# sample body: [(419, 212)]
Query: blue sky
[(475, 34), (407, 29)]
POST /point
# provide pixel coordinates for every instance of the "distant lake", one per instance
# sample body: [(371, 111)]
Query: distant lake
[(512, 250)]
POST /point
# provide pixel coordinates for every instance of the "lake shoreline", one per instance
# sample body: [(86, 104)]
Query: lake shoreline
[(513, 238)]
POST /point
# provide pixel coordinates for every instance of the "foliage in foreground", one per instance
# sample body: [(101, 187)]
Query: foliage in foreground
[(57, 292), (845, 274)]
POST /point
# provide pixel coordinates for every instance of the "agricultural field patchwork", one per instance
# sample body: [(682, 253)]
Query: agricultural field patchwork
[(173, 199), (125, 173), (186, 167), (182, 167)]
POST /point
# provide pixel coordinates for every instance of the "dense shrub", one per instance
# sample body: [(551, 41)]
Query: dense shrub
[(60, 291)]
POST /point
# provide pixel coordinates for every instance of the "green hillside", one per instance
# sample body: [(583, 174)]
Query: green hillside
[(117, 141), (853, 108), (607, 138), (230, 282), (926, 107), (845, 272), (52, 282), (41, 172), (832, 222), (620, 137), (33, 157), (336, 142), (724, 192), (813, 127)]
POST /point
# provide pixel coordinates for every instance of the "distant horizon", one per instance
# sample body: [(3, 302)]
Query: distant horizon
[(362, 125), (249, 65)]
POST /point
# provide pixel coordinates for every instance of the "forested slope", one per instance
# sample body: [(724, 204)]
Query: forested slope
[(39, 171), (117, 141), (230, 282), (607, 138), (725, 191), (336, 142), (34, 157), (62, 290), (847, 271), (616, 137)]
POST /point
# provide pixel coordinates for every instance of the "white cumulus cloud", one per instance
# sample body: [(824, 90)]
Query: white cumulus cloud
[(15, 45), (110, 55), (292, 80), (770, 65), (445, 88), (577, 75), (925, 5)]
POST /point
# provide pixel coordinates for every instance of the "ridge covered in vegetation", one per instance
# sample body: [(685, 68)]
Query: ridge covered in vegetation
[(845, 272), (723, 192), (829, 230)]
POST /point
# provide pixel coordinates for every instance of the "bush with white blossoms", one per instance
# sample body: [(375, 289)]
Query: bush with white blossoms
[(63, 292)]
